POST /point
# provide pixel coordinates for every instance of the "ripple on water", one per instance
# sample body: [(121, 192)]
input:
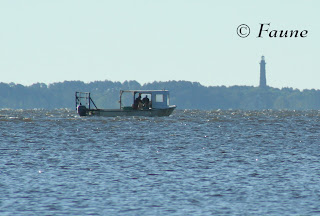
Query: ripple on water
[(191, 163)]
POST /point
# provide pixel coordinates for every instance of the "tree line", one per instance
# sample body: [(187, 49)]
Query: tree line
[(184, 94)]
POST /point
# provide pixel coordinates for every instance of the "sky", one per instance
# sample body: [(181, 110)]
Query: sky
[(149, 40)]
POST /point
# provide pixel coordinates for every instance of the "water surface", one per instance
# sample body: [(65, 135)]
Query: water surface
[(53, 162)]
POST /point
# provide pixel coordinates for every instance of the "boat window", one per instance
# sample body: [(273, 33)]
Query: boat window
[(126, 99), (159, 98), (168, 100)]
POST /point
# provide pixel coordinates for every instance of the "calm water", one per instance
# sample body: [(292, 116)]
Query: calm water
[(191, 163)]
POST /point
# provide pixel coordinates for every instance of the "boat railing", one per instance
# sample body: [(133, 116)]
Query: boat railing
[(84, 99)]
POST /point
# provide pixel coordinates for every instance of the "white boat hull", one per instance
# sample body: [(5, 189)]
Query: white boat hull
[(120, 112)]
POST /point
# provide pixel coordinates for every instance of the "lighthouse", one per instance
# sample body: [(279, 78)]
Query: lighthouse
[(263, 80)]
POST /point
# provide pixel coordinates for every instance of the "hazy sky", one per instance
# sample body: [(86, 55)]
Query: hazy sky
[(145, 40)]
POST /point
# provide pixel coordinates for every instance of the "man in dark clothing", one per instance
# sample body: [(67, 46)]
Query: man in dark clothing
[(138, 102), (145, 101)]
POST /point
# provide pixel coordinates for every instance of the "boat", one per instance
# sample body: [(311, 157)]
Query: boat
[(147, 103)]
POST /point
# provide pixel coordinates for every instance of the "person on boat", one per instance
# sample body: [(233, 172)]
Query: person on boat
[(145, 102), (138, 102)]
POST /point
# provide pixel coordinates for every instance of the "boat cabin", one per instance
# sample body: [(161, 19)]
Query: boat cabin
[(144, 99)]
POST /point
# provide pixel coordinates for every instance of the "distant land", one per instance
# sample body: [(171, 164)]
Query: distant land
[(184, 94)]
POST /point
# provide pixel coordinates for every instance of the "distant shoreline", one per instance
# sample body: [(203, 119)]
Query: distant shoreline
[(184, 94)]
